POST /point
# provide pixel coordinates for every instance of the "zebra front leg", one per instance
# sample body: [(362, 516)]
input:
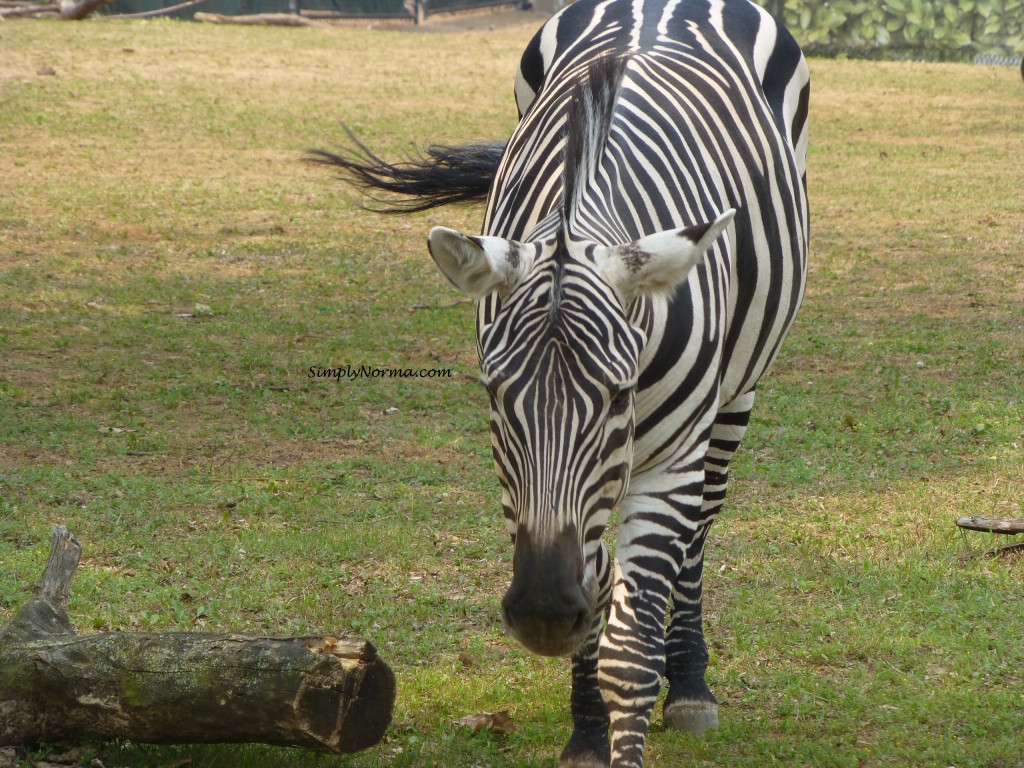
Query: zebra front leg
[(588, 747), (632, 661), (649, 555), (691, 706)]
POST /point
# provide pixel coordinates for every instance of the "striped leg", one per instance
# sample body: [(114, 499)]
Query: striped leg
[(691, 706), (649, 556), (588, 746)]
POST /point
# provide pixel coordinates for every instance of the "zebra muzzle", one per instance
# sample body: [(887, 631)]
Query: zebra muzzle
[(547, 608)]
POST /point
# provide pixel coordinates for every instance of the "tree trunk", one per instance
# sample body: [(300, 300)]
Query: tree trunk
[(317, 693)]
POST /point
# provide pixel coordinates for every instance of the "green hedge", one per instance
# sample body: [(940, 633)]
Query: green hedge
[(935, 29)]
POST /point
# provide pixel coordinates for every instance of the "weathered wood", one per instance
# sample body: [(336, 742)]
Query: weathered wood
[(992, 524), (73, 10), (194, 688), (47, 612), (317, 693), (13, 12), (159, 11), (275, 19)]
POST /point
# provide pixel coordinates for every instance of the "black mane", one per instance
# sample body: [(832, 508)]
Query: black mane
[(588, 124)]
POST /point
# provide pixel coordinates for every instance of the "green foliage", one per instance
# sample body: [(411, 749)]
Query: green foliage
[(934, 29)]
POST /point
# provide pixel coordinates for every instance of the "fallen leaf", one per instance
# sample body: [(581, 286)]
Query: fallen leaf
[(495, 722), (355, 586)]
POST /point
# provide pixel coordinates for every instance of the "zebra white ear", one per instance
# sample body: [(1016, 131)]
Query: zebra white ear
[(479, 265), (656, 264)]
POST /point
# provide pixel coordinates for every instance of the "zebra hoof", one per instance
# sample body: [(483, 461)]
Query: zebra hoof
[(582, 761), (691, 716), (587, 748)]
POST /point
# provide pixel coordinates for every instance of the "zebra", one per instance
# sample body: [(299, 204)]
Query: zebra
[(643, 256)]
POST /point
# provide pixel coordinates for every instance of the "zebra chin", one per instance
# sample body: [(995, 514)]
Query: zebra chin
[(549, 607)]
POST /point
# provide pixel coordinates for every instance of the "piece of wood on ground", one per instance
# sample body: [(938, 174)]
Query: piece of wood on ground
[(73, 10), (13, 11), (991, 524), (159, 11), (321, 693), (274, 19)]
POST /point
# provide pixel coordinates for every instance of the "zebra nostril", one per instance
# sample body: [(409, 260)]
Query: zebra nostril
[(582, 624)]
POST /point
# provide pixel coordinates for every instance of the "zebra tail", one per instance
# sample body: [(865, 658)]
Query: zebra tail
[(436, 176)]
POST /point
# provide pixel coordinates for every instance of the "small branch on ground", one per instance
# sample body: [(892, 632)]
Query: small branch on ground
[(274, 19), (160, 11), (992, 524)]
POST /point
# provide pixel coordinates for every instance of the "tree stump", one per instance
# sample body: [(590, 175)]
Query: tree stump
[(317, 693)]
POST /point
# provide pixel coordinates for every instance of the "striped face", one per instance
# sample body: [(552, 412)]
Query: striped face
[(559, 362), (559, 359)]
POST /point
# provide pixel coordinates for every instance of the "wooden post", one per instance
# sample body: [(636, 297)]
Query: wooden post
[(317, 693)]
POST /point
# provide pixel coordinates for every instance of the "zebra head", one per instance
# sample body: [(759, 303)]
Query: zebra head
[(560, 359)]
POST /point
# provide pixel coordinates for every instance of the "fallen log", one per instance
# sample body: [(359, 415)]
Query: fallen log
[(70, 10), (13, 12), (991, 524), (275, 19), (318, 693), (159, 11), (73, 10)]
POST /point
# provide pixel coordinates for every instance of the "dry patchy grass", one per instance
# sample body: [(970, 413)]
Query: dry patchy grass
[(215, 485)]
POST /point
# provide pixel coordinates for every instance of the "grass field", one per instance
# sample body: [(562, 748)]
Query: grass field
[(170, 270)]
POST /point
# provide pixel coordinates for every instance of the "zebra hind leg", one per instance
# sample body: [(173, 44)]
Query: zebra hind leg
[(588, 747), (691, 706)]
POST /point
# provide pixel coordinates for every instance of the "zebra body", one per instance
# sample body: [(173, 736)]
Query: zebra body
[(643, 256)]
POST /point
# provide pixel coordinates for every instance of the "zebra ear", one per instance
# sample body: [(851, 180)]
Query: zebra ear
[(479, 265), (656, 264)]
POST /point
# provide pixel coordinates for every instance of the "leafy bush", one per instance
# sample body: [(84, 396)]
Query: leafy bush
[(937, 29)]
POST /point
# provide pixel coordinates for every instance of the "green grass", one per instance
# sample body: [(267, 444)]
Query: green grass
[(170, 269)]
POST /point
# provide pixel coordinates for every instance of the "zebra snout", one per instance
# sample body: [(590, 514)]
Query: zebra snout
[(546, 607)]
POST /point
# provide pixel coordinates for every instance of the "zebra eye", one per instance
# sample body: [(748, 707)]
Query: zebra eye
[(620, 400)]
